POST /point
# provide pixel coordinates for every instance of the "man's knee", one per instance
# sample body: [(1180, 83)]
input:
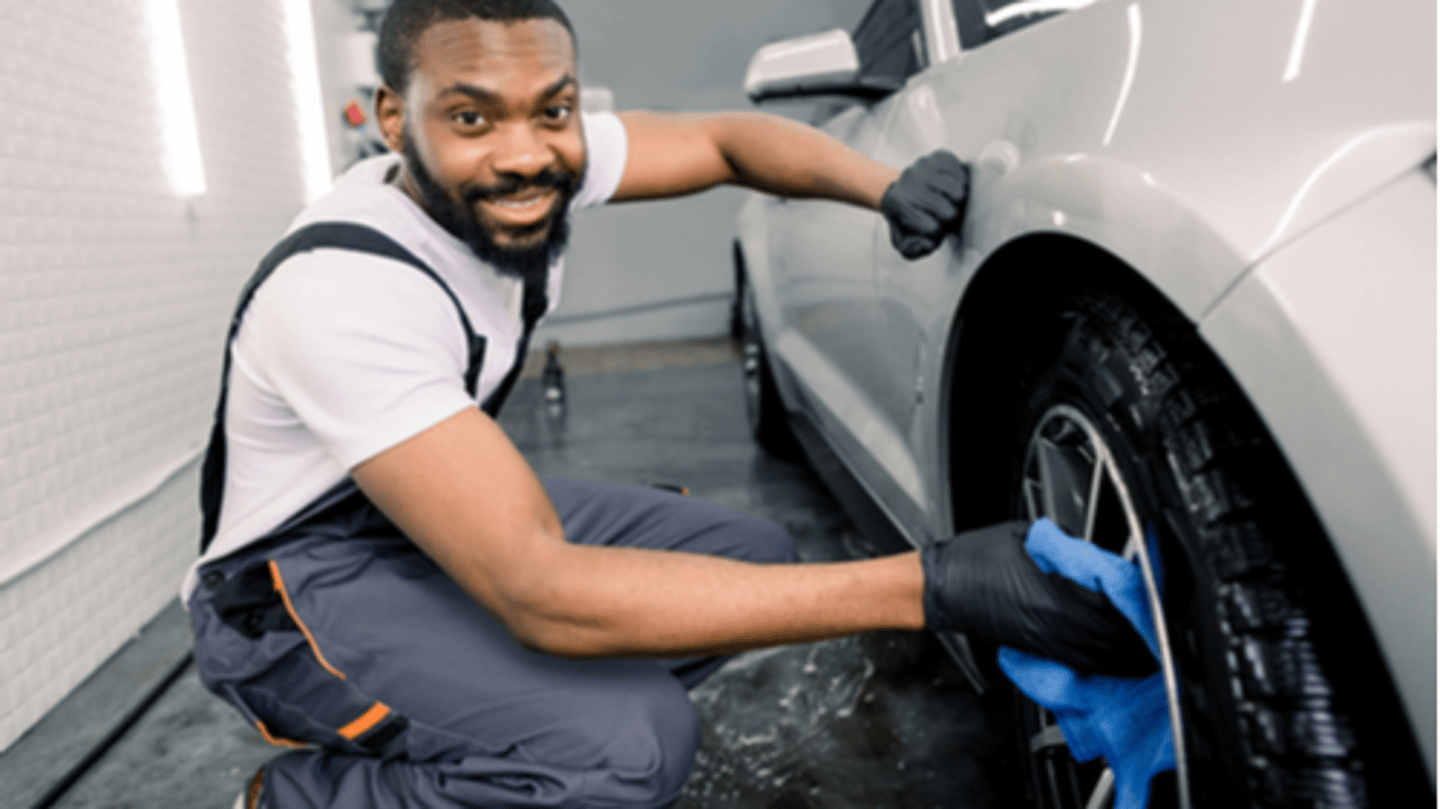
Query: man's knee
[(649, 747)]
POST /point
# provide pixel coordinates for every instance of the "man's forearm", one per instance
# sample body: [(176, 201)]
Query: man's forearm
[(463, 493), (673, 154), (779, 156), (630, 602)]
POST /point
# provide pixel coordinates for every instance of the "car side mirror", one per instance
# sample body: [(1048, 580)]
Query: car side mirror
[(815, 65)]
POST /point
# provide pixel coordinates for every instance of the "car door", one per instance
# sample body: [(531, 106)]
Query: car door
[(972, 105), (834, 343)]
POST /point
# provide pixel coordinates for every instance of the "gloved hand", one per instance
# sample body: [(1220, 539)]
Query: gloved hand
[(926, 203), (983, 583)]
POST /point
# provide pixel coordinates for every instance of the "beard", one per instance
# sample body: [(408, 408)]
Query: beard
[(529, 264)]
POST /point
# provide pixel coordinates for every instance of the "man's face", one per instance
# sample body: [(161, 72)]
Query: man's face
[(490, 131)]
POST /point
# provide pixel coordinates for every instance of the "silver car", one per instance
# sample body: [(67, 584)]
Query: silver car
[(1194, 293)]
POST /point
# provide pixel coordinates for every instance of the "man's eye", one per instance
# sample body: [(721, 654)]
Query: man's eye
[(468, 118), (559, 112)]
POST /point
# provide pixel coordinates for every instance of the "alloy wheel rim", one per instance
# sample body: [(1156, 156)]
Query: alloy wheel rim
[(1070, 476)]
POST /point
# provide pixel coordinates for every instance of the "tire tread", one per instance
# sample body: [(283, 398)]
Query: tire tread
[(1299, 749)]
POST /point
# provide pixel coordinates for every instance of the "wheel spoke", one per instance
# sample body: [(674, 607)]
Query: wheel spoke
[(1092, 501), (1132, 548), (1032, 501), (1049, 736), (1103, 791), (1065, 482)]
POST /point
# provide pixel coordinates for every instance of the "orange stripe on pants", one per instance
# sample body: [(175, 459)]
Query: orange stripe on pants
[(366, 721), (290, 608)]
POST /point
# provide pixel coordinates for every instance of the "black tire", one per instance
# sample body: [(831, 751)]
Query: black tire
[(1247, 573), (769, 423), (738, 260)]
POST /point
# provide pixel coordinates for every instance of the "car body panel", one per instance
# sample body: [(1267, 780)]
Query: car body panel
[(1333, 339)]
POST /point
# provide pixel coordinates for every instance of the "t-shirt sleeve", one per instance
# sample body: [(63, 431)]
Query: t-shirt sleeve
[(608, 147), (366, 352)]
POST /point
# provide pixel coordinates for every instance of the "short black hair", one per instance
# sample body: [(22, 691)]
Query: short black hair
[(406, 20)]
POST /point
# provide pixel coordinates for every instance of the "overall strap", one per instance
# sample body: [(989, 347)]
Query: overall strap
[(532, 308), (343, 235)]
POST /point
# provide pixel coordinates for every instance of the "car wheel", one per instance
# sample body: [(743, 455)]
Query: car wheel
[(768, 421), (1128, 427)]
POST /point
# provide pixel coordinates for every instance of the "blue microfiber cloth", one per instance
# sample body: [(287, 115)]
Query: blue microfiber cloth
[(1125, 720)]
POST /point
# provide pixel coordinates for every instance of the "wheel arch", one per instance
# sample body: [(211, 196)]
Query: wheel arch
[(1009, 302)]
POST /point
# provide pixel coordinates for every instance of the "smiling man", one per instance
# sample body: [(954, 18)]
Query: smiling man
[(386, 584)]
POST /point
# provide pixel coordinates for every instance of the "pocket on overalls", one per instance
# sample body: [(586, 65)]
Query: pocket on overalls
[(294, 695)]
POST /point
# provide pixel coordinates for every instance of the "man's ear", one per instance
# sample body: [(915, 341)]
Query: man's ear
[(390, 114)]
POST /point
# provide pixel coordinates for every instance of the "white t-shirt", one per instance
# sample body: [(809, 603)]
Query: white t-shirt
[(342, 355)]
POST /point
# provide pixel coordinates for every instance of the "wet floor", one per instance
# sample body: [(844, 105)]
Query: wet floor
[(876, 720)]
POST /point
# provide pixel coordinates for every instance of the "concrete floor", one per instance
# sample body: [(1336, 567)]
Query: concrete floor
[(879, 720)]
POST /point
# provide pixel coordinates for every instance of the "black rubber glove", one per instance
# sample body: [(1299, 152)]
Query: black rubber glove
[(926, 204), (985, 584)]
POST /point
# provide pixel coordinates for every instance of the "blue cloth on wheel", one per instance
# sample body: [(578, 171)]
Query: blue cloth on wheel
[(1125, 720)]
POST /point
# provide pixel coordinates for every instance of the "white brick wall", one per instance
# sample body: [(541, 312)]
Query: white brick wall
[(113, 299)]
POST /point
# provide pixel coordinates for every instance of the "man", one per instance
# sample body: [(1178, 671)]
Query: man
[(389, 582)]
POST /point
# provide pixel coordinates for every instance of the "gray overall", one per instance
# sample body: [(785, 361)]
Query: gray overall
[(336, 635)]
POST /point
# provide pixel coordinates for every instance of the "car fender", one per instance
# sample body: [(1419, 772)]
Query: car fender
[(1333, 340), (1111, 205)]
